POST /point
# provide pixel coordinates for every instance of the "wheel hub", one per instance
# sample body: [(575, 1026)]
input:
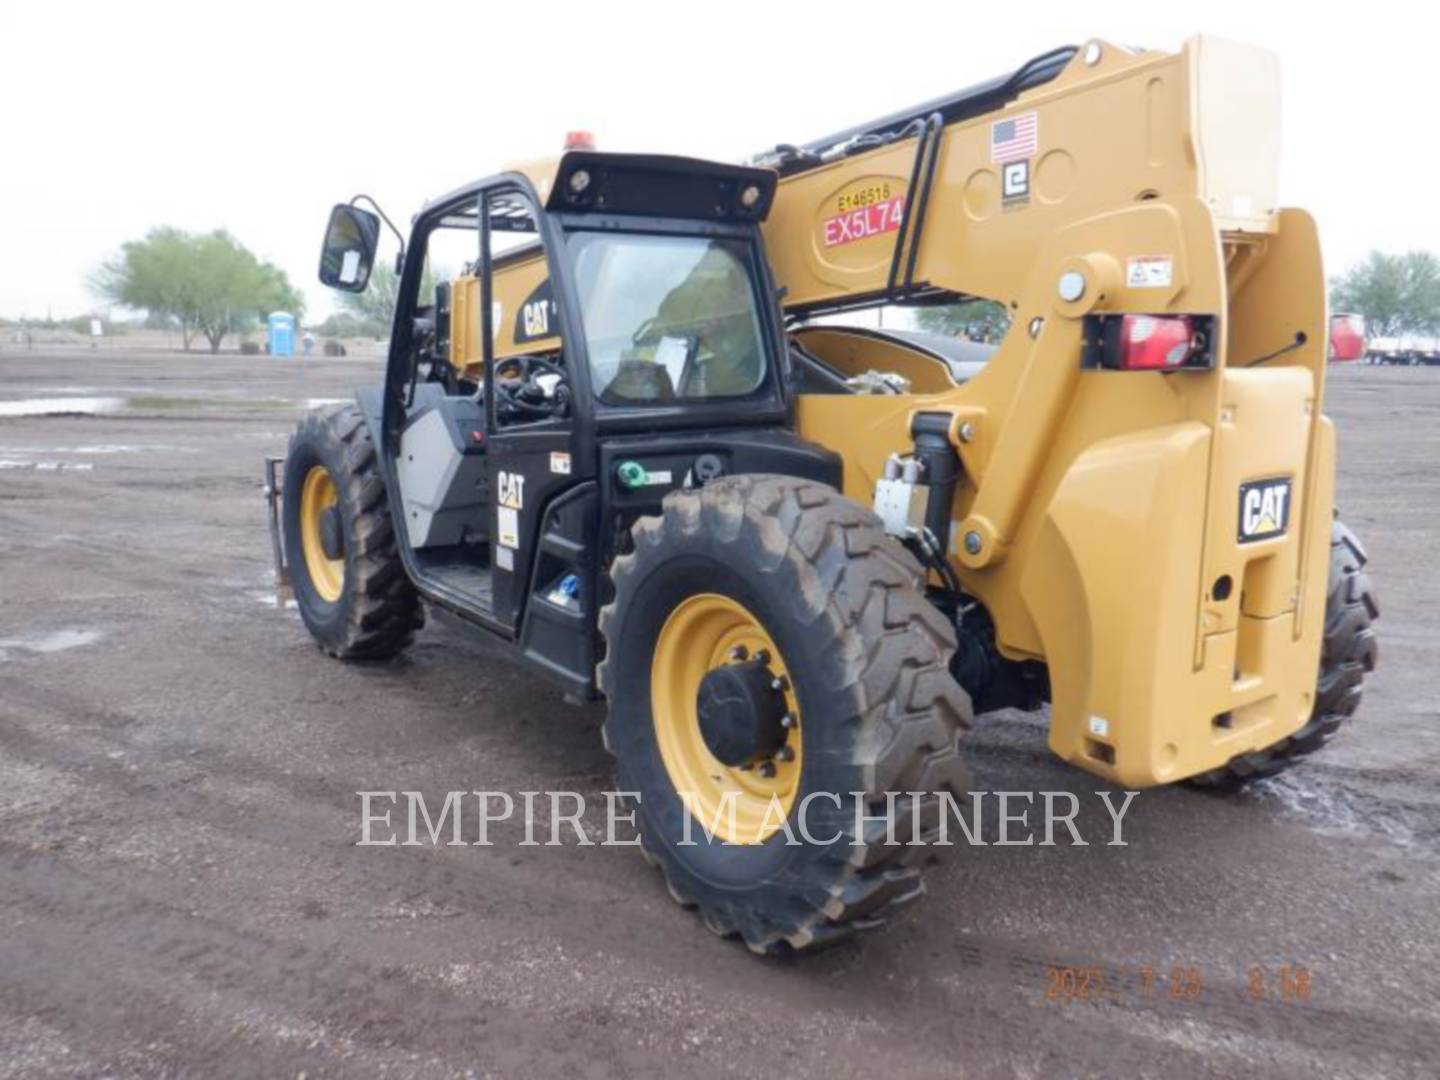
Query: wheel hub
[(741, 712), (720, 692), (322, 536), (332, 533)]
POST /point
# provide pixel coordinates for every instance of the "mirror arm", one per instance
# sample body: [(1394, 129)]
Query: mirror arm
[(400, 258)]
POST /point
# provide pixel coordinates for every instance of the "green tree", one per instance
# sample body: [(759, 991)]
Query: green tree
[(342, 324), (236, 290), (274, 292), (977, 320), (154, 274), (375, 307), (1397, 294), (209, 284)]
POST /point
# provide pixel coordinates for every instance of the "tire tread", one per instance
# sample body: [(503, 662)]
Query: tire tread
[(385, 612), (1348, 653), (865, 592)]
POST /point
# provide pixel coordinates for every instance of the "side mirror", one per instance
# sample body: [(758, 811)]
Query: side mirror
[(349, 251)]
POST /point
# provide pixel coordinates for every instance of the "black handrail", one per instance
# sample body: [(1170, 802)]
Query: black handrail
[(922, 140), (931, 120), (963, 104), (934, 127)]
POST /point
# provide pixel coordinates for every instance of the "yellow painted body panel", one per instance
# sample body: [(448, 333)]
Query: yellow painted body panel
[(1132, 127), (1106, 503), (854, 354), (517, 278)]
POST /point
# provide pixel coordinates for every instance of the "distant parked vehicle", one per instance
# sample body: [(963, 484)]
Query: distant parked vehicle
[(1408, 349)]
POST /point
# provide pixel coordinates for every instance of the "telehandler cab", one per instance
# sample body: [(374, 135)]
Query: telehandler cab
[(796, 557)]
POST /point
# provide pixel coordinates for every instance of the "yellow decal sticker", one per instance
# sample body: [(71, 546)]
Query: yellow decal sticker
[(868, 207), (507, 527)]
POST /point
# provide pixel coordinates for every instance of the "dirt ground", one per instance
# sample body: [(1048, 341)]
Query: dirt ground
[(180, 890)]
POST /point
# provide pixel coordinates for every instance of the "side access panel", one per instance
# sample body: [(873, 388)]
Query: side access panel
[(682, 458), (441, 471), (557, 630)]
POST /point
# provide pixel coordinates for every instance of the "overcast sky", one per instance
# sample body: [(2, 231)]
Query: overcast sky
[(116, 117)]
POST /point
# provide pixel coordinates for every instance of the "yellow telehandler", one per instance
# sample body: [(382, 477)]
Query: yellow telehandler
[(796, 556)]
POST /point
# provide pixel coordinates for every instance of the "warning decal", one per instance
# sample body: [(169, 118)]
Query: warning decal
[(1150, 272), (507, 530)]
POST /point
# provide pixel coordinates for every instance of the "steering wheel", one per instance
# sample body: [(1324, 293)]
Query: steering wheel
[(521, 395)]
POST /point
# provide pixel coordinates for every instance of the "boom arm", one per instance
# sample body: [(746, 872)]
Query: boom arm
[(961, 193), (1097, 517)]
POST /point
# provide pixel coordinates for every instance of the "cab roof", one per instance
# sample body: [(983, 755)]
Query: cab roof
[(650, 185)]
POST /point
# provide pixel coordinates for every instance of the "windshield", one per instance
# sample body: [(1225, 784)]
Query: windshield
[(668, 318)]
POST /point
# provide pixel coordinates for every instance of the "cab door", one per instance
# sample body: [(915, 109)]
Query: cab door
[(531, 399)]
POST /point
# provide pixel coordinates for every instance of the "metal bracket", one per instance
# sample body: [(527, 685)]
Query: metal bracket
[(901, 497), (284, 593)]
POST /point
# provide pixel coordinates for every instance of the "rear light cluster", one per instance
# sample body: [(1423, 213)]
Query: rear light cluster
[(1347, 337), (1148, 342)]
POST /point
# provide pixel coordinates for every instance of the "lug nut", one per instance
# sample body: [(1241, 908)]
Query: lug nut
[(972, 543), (763, 655), (787, 721), (767, 770), (738, 653), (781, 683), (785, 754)]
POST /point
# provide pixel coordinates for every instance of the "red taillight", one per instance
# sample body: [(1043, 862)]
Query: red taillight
[(579, 140), (1347, 337), (1148, 342), (1155, 343)]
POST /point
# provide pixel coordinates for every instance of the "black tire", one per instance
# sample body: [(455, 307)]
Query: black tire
[(1347, 653), (378, 610), (868, 657)]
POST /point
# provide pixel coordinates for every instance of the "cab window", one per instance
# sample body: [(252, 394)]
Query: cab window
[(668, 318), (528, 379)]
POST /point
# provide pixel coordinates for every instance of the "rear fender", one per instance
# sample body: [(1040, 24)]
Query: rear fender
[(1112, 584)]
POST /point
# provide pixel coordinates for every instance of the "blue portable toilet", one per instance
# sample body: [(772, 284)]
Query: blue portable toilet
[(282, 333)]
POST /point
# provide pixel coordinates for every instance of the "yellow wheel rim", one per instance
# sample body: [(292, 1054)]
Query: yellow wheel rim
[(744, 805), (317, 496)]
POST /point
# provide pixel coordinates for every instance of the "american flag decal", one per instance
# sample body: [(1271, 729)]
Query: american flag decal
[(1014, 138)]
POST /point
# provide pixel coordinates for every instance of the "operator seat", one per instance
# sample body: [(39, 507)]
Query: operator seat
[(640, 380)]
